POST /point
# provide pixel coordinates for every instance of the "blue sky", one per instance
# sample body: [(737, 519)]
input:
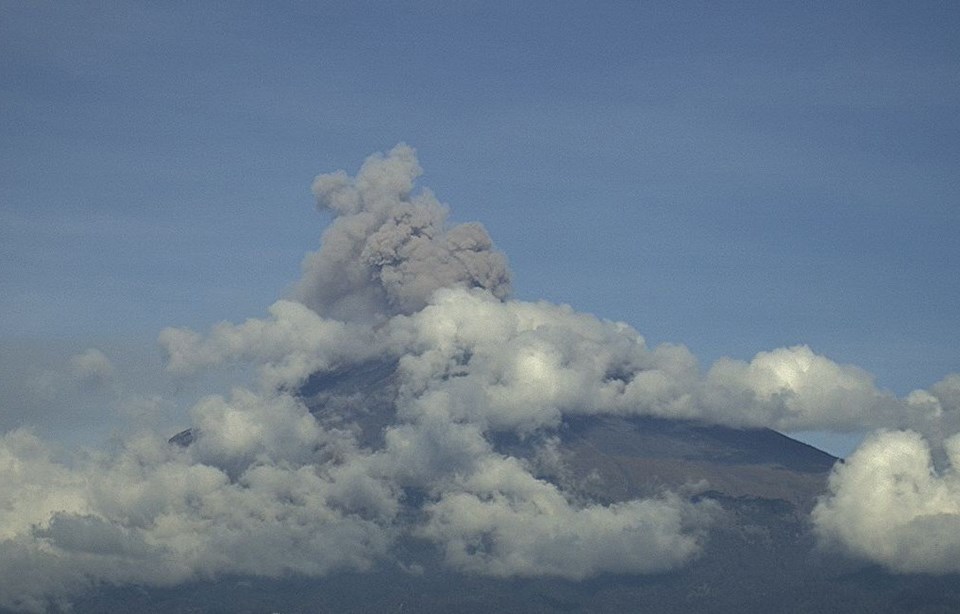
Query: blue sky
[(735, 177)]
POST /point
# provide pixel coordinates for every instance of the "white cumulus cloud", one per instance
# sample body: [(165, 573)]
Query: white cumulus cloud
[(888, 503)]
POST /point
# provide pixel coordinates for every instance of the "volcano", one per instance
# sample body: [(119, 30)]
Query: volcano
[(417, 441), (760, 556)]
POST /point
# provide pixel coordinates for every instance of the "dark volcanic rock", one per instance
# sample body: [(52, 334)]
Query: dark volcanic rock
[(641, 456), (183, 438), (362, 396)]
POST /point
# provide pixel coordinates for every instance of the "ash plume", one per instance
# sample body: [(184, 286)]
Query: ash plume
[(389, 247)]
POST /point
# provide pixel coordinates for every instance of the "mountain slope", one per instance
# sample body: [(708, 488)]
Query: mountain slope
[(759, 555), (640, 456)]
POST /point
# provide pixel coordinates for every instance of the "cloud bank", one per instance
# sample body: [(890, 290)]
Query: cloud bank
[(270, 486), (516, 365)]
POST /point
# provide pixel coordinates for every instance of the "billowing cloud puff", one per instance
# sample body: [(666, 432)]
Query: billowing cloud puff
[(263, 491), (521, 366), (293, 343), (889, 504), (794, 389), (501, 521), (389, 247)]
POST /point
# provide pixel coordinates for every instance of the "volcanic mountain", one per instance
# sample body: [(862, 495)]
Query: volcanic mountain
[(760, 554), (417, 441), (610, 458)]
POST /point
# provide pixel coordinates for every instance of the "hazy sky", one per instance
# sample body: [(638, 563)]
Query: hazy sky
[(771, 185), (731, 176)]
